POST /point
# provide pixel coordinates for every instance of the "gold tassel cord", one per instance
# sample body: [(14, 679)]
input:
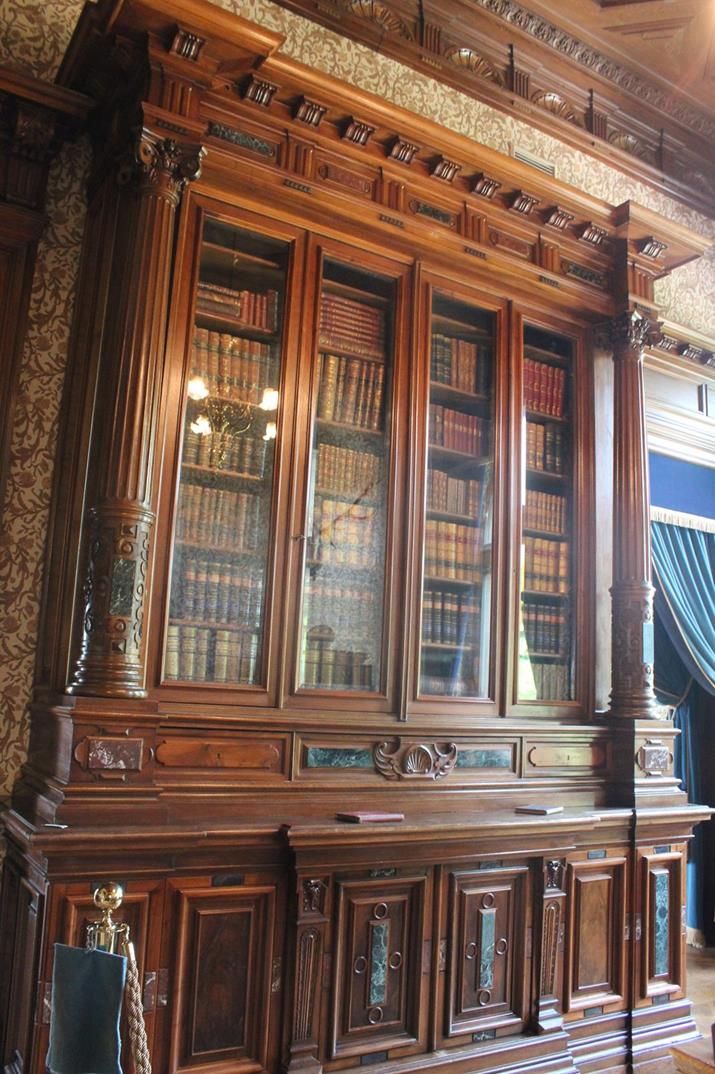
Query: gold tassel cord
[(135, 1013)]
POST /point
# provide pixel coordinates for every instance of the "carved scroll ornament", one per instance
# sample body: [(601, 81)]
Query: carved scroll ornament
[(415, 760)]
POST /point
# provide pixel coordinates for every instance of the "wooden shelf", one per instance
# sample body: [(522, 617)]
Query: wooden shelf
[(344, 426), (214, 625), (548, 535), (541, 355), (466, 330), (447, 516), (378, 357), (445, 646), (548, 475), (227, 259), (533, 594), (457, 395), (540, 416), (237, 327), (439, 580), (461, 460), (346, 497), (559, 658), (233, 475), (345, 290), (215, 549)]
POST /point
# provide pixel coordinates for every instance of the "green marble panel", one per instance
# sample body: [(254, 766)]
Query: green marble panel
[(338, 757), (379, 936), (480, 758), (661, 924), (487, 937), (122, 598)]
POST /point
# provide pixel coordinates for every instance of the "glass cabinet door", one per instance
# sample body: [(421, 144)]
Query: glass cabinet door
[(343, 597), (457, 555), (545, 653), (223, 532)]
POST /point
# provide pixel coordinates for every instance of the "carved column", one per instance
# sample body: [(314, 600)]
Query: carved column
[(631, 593), (312, 918), (550, 947), (118, 525)]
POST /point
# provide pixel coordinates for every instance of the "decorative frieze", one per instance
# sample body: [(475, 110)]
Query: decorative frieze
[(243, 139), (475, 63), (432, 212)]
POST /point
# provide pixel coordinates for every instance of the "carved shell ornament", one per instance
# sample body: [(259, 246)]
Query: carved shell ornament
[(417, 760), (557, 105), (467, 57), (380, 15)]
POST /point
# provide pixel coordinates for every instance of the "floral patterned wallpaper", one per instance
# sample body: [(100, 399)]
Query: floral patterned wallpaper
[(34, 37)]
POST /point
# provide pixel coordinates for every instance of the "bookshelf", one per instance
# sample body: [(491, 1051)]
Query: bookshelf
[(342, 612), (455, 612), (222, 531), (545, 642)]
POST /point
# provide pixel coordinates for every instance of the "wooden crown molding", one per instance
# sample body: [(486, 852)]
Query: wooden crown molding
[(522, 64), (685, 350), (218, 80)]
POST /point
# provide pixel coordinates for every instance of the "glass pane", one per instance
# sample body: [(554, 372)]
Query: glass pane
[(343, 587), (223, 528), (456, 593), (545, 671)]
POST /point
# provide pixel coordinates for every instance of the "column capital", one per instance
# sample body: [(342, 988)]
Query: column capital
[(631, 331), (161, 166)]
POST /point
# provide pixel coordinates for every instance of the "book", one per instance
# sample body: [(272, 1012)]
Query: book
[(362, 816), (540, 810)]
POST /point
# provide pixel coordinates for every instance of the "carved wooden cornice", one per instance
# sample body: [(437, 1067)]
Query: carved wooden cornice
[(520, 62), (685, 348), (35, 119), (294, 132)]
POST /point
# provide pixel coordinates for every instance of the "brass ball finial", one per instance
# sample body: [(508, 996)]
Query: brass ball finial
[(108, 897)]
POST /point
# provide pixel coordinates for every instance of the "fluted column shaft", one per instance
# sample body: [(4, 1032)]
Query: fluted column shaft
[(632, 692), (119, 521)]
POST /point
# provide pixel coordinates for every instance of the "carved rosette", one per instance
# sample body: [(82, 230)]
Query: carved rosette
[(111, 657), (415, 760), (161, 166)]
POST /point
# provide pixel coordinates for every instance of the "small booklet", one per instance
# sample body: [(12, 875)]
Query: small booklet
[(541, 810), (366, 817)]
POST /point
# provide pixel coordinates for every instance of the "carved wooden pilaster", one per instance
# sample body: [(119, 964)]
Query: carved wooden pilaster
[(120, 517), (550, 947), (312, 905), (632, 593)]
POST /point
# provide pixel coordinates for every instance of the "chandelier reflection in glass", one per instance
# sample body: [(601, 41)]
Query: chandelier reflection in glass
[(223, 419)]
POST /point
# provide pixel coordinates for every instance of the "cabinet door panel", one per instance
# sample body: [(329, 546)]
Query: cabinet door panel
[(661, 900), (222, 989), (379, 940), (595, 972), (486, 948)]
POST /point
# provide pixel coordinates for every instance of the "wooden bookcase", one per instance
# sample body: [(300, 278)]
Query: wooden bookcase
[(327, 546)]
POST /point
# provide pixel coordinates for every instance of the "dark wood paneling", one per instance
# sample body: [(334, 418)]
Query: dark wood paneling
[(223, 942), (595, 966), (487, 919), (381, 928)]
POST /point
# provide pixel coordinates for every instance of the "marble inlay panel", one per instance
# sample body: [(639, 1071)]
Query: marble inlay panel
[(338, 757), (487, 939), (379, 939), (484, 758), (661, 923)]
